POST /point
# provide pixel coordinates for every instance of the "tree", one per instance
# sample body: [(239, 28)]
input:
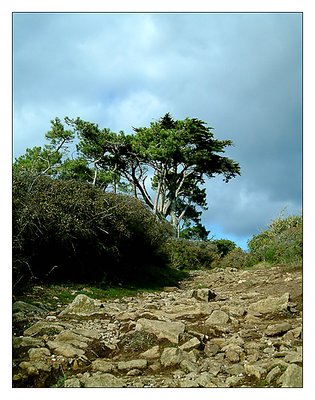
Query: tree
[(178, 155)]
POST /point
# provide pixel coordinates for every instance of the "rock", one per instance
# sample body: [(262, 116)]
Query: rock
[(151, 354), (162, 329), (101, 380), (232, 381), (171, 356), (38, 354), (170, 289), (273, 374), (203, 294), (254, 370), (278, 329), (34, 368), (65, 349), (23, 341), (271, 305), (84, 306), (294, 357), (218, 317), (211, 349), (292, 377), (103, 365), (189, 366), (132, 364), (26, 308), (72, 383), (193, 343), (44, 327), (204, 380), (73, 339), (89, 333)]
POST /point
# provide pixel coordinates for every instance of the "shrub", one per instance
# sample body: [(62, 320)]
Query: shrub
[(189, 254), (224, 246), (282, 242), (236, 258), (71, 231)]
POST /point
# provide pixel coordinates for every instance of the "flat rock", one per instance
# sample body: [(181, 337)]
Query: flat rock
[(218, 317), (101, 380), (103, 365), (162, 329), (271, 305), (21, 306), (44, 327), (292, 377), (23, 341), (278, 329), (132, 364)]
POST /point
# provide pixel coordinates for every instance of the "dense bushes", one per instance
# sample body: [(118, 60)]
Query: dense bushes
[(190, 254), (71, 231), (282, 242)]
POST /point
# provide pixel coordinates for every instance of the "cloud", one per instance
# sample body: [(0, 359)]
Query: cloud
[(239, 72)]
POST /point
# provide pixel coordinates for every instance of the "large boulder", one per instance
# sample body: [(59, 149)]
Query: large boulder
[(83, 306)]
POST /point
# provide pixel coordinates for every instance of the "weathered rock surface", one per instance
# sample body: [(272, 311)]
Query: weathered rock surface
[(242, 330)]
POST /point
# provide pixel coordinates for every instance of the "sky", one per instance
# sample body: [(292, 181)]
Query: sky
[(239, 72)]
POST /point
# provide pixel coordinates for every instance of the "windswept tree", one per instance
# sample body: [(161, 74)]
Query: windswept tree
[(165, 164)]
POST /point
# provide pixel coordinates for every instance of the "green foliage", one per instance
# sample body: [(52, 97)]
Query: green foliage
[(190, 254), (181, 154), (236, 258), (282, 242), (224, 246), (71, 231)]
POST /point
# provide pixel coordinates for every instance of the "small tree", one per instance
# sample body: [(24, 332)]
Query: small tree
[(179, 156)]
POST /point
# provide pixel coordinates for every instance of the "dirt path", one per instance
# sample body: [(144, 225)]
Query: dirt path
[(220, 328)]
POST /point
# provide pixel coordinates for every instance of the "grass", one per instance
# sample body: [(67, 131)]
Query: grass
[(53, 295)]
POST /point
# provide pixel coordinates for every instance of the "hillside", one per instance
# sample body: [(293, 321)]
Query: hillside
[(219, 328)]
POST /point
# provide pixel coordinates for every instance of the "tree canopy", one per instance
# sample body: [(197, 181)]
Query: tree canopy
[(165, 165)]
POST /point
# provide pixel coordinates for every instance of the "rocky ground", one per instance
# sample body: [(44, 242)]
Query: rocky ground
[(220, 328)]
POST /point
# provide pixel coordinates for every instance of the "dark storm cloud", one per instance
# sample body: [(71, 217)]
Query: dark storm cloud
[(241, 73)]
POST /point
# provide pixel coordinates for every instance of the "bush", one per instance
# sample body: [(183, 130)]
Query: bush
[(189, 254), (70, 231), (282, 242), (224, 246), (236, 258)]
